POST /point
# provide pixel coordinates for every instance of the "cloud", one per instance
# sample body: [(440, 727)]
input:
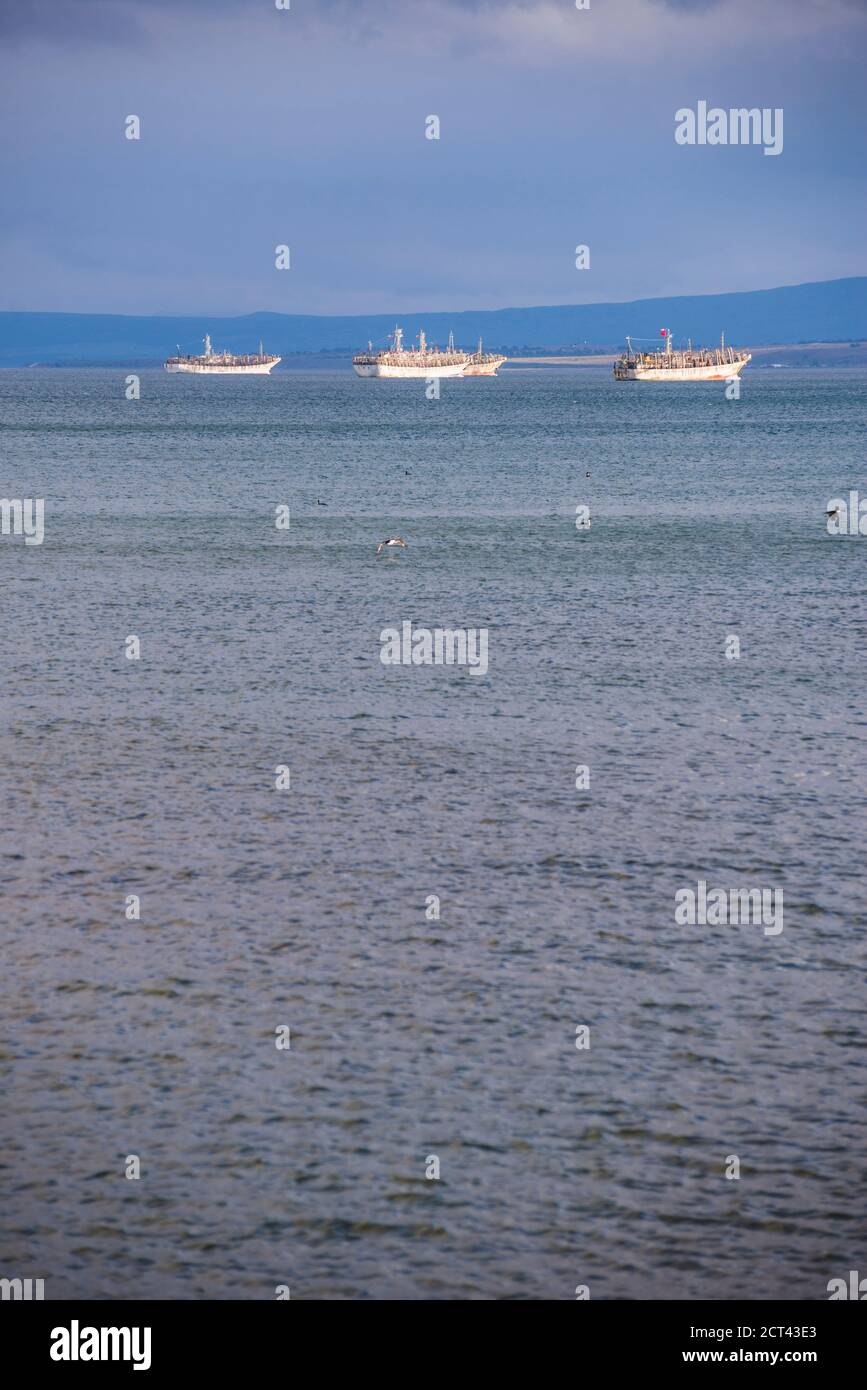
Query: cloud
[(523, 30), (307, 127), (75, 22)]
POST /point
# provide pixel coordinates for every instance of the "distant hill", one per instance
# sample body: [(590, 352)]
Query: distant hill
[(826, 311)]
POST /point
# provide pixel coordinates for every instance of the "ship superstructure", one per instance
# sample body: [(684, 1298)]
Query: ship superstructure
[(223, 363), (691, 364), (482, 363), (423, 361)]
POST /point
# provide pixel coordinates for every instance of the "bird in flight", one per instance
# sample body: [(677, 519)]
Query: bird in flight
[(393, 540)]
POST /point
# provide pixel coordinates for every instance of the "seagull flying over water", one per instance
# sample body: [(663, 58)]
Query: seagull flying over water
[(835, 512), (393, 540)]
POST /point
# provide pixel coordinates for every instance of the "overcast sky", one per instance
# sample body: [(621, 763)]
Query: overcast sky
[(307, 127)]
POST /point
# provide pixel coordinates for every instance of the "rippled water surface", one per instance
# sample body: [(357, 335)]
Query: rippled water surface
[(413, 1037)]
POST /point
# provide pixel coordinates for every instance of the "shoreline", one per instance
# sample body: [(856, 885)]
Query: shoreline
[(812, 354), (787, 354)]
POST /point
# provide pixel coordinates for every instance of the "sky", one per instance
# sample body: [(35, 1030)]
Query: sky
[(306, 127)]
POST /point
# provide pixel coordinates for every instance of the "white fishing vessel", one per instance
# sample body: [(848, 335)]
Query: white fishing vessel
[(423, 361), (213, 363), (691, 364), (482, 363)]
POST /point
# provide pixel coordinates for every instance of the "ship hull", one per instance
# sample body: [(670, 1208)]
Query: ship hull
[(382, 369), (256, 369), (712, 372)]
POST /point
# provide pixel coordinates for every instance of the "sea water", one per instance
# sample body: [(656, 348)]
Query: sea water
[(459, 906)]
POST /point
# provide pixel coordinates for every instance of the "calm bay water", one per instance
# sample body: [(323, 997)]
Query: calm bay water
[(414, 1037)]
